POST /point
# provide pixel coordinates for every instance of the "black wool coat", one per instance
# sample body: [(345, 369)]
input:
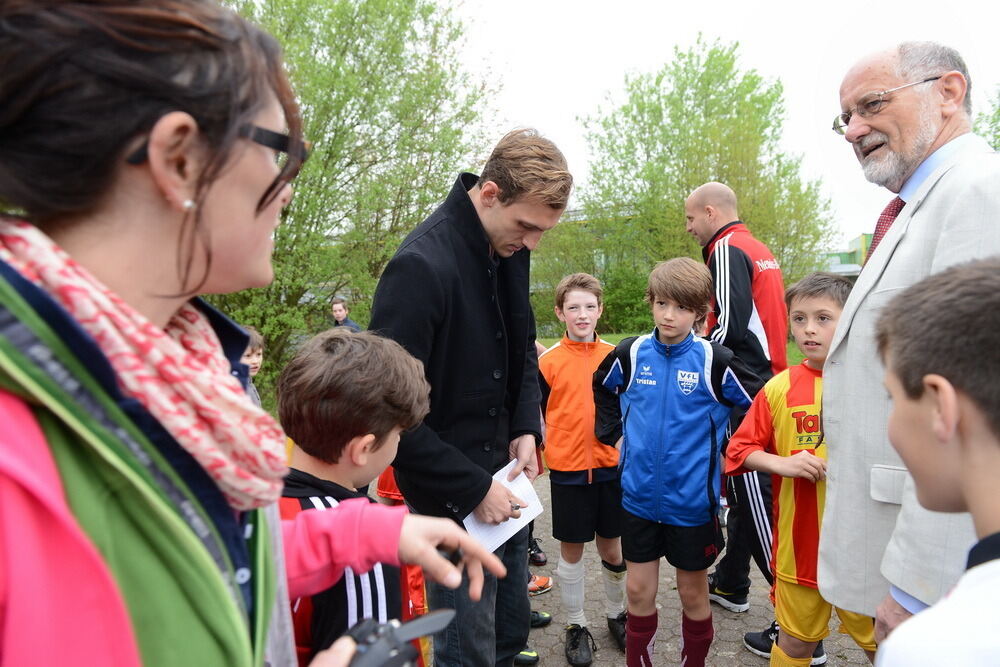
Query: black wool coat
[(467, 317)]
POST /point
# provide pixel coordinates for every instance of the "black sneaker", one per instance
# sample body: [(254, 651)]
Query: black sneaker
[(535, 554), (616, 626), (731, 601), (760, 643), (819, 654), (539, 619), (580, 646), (526, 657)]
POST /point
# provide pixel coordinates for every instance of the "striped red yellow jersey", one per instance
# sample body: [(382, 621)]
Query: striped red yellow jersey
[(785, 420)]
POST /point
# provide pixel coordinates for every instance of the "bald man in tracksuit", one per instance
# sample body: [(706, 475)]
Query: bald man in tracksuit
[(750, 318)]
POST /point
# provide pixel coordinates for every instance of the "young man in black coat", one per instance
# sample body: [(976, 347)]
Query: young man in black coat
[(455, 295)]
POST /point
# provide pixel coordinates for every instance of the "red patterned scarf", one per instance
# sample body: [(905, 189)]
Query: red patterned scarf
[(179, 374)]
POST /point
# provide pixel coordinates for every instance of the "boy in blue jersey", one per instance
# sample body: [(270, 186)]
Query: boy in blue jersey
[(665, 399)]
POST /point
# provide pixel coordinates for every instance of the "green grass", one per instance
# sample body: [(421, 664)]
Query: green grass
[(794, 355)]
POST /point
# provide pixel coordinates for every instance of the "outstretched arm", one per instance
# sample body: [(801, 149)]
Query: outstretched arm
[(358, 534)]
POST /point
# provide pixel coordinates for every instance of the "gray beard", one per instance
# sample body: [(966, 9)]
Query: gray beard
[(890, 168)]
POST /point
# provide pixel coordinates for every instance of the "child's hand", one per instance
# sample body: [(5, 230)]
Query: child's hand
[(804, 464), (418, 544)]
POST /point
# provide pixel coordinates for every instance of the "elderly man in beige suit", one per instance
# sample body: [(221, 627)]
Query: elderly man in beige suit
[(906, 113)]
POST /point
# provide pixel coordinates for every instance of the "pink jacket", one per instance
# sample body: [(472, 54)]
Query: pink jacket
[(58, 601)]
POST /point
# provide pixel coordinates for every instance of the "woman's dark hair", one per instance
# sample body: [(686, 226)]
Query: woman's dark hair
[(82, 80)]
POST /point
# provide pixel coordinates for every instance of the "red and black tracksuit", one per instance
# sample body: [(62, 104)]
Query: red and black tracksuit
[(750, 318)]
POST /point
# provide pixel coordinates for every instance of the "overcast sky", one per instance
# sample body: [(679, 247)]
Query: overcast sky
[(558, 60)]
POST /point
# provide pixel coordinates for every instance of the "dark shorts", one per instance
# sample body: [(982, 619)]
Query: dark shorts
[(579, 511), (685, 547)]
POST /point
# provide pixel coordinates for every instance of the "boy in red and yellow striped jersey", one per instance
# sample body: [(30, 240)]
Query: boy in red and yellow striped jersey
[(782, 434)]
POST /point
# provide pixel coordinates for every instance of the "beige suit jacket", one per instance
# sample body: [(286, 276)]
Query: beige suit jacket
[(874, 531)]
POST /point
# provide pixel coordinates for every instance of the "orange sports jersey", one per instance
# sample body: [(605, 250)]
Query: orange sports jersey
[(785, 420)]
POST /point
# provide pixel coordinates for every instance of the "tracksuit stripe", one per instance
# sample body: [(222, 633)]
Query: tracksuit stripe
[(758, 510), (362, 601), (380, 591), (352, 597), (722, 295)]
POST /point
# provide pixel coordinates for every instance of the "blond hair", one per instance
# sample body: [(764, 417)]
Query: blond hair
[(525, 165)]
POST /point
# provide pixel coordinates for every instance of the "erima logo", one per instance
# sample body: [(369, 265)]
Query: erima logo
[(687, 381), (765, 264), (645, 370)]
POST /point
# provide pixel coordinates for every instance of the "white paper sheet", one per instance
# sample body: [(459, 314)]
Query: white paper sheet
[(492, 536)]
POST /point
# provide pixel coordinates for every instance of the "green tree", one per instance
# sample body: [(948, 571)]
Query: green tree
[(988, 125), (392, 117), (700, 118)]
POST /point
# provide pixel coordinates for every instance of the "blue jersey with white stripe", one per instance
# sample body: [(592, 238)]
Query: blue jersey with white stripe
[(672, 404)]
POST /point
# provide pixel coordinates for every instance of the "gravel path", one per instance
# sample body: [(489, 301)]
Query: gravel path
[(727, 649)]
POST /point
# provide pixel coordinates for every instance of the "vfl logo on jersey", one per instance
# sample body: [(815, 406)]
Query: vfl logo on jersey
[(687, 381)]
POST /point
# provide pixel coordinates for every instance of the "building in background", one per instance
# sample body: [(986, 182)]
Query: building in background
[(848, 263)]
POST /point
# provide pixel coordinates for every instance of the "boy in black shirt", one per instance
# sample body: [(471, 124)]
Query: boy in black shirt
[(344, 399)]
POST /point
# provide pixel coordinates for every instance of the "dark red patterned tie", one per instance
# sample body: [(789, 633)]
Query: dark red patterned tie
[(892, 209)]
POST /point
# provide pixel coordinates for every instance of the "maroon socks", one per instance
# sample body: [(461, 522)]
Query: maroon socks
[(639, 634), (696, 637)]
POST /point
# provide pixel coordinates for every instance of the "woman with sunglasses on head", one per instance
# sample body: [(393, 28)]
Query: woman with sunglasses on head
[(146, 152)]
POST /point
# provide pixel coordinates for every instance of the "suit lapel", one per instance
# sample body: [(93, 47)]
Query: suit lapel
[(873, 269)]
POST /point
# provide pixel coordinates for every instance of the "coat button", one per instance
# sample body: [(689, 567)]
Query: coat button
[(499, 334), (242, 575), (493, 412), (497, 374), (487, 447)]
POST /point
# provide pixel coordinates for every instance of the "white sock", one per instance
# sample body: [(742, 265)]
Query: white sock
[(570, 577), (614, 589)]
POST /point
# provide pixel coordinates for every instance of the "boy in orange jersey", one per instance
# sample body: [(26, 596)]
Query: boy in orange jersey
[(782, 434), (586, 495)]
